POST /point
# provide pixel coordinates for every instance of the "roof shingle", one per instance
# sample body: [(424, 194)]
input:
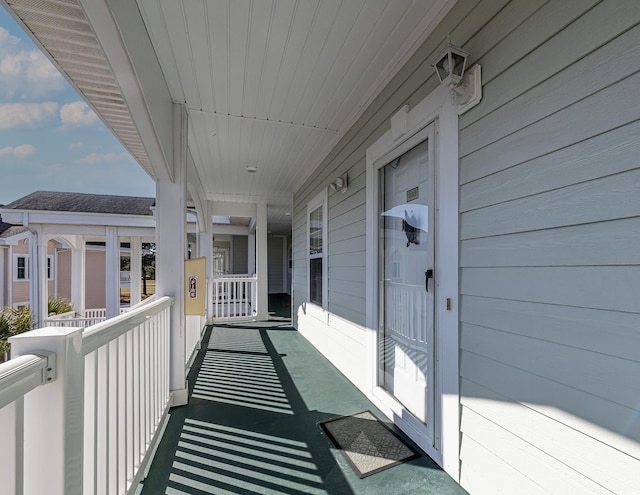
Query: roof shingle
[(81, 202)]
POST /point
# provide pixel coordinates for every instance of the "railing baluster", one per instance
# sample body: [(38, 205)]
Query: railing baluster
[(233, 297), (136, 398), (121, 478), (89, 444)]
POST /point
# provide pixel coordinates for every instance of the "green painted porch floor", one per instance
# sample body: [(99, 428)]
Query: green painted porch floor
[(258, 392)]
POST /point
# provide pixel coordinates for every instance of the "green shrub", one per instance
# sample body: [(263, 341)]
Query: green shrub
[(59, 306), (17, 321)]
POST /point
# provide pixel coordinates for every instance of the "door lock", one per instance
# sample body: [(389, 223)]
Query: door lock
[(427, 275)]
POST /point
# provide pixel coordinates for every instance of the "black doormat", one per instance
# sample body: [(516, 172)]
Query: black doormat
[(367, 444)]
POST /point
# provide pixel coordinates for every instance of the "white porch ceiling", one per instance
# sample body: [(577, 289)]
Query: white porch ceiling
[(270, 84)]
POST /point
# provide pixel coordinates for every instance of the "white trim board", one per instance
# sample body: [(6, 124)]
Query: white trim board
[(409, 128)]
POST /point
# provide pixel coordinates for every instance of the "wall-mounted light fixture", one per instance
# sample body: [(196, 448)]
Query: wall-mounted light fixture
[(466, 84), (340, 184)]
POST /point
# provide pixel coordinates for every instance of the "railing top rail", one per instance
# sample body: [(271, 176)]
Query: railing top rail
[(19, 376), (233, 275), (104, 332), (67, 320), (62, 316), (235, 278)]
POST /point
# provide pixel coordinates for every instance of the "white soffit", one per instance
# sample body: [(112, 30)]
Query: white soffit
[(270, 84), (274, 84), (63, 32)]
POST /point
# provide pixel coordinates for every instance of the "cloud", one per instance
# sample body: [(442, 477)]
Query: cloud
[(77, 113), (7, 39), (25, 114), (94, 158), (75, 146), (25, 73), (22, 151)]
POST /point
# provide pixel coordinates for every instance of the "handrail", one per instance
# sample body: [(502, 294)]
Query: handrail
[(104, 332), (20, 375), (233, 277)]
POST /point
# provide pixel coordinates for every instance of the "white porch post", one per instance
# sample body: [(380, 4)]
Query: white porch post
[(171, 253), (78, 259), (205, 250), (53, 442), (251, 253), (261, 261), (112, 273), (38, 286), (136, 270), (2, 277)]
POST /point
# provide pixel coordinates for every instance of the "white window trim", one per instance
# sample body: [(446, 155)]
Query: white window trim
[(320, 200), (440, 108), (26, 267)]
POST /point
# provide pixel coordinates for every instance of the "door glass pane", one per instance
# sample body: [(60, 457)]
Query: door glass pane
[(406, 303), (315, 281), (315, 232)]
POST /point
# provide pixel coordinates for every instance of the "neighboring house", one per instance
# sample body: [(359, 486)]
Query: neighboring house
[(76, 222), (478, 277), (66, 222), (14, 265)]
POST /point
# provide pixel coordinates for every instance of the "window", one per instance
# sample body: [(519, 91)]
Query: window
[(20, 267), (317, 238), (49, 267)]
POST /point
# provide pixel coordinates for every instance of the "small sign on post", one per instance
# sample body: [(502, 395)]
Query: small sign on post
[(195, 286)]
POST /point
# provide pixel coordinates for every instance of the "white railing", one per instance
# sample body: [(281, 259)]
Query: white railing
[(95, 313), (234, 296), (106, 393), (91, 317)]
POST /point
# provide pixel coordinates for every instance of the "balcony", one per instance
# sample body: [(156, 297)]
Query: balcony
[(257, 393)]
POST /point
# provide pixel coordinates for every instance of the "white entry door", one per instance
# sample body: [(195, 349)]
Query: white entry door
[(406, 285)]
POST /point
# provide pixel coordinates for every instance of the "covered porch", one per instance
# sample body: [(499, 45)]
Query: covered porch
[(258, 392)]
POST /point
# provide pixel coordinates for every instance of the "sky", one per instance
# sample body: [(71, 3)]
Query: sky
[(50, 139)]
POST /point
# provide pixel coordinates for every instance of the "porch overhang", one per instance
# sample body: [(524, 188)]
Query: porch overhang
[(270, 86)]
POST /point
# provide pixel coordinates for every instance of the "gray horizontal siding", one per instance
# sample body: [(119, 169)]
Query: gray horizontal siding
[(347, 212), (550, 228)]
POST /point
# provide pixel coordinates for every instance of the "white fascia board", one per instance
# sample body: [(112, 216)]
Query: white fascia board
[(15, 239), (97, 231), (30, 217), (272, 199), (120, 30), (219, 229), (137, 232), (12, 216), (223, 208)]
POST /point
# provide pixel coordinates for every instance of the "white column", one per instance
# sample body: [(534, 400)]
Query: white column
[(112, 273), (3, 303), (38, 286), (78, 274), (171, 253), (251, 253), (285, 264), (10, 275), (205, 250), (53, 413), (136, 270), (261, 261)]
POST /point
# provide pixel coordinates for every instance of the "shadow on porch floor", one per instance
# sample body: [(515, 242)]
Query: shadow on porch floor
[(258, 392)]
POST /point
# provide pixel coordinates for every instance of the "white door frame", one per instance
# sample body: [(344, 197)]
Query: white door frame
[(408, 129)]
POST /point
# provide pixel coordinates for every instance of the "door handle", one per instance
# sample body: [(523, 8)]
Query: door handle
[(427, 275)]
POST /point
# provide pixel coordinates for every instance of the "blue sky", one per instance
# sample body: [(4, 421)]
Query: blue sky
[(50, 140)]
